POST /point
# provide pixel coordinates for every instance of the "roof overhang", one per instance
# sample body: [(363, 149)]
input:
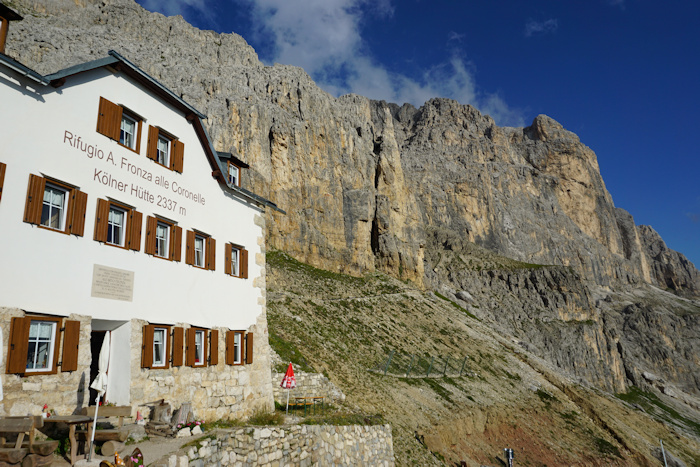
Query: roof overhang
[(23, 70)]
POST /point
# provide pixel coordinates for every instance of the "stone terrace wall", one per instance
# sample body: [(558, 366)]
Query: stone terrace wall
[(297, 445), (308, 385)]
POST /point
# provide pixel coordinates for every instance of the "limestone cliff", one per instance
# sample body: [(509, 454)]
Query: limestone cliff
[(416, 193)]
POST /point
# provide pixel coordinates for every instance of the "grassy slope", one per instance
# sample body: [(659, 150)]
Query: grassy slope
[(344, 326)]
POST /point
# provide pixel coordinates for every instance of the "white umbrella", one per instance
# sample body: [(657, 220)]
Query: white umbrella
[(100, 384)]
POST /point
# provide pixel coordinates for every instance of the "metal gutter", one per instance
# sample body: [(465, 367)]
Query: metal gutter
[(23, 70)]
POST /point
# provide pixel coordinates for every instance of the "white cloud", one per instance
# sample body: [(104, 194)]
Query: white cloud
[(324, 38), (539, 28), (173, 7)]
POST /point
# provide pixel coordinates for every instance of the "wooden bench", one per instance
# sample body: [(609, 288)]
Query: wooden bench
[(29, 453), (107, 414)]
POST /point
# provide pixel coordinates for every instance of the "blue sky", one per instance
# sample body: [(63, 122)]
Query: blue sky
[(622, 74)]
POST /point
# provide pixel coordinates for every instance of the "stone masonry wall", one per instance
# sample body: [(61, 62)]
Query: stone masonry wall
[(308, 385), (297, 445)]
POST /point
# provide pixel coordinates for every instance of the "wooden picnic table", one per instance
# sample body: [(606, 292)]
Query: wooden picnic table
[(72, 421), (312, 401)]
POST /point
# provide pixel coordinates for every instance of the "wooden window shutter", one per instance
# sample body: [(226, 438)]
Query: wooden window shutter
[(178, 342), (211, 254), (249, 348), (71, 341), (18, 346), (3, 168), (176, 243), (189, 248), (78, 207), (214, 347), (189, 347), (228, 267), (152, 147), (134, 233), (109, 119), (178, 155), (230, 355), (101, 220), (147, 349), (244, 264), (151, 225), (35, 199)]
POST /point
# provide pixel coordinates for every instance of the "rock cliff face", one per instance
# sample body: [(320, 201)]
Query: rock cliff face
[(373, 186)]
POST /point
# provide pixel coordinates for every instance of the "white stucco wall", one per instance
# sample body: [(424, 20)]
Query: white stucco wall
[(50, 272)]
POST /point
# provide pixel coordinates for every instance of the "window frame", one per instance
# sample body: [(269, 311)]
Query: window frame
[(242, 272), (208, 252), (191, 347), (148, 348), (75, 204), (109, 123), (229, 166), (164, 349), (176, 149), (174, 246), (52, 187), (18, 345), (132, 224)]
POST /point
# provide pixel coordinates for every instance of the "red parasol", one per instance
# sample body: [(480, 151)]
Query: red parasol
[(289, 382)]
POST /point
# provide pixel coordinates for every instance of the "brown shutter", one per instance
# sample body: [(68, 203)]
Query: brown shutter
[(35, 199), (152, 147), (71, 340), (249, 348), (228, 269), (178, 341), (189, 348), (147, 349), (135, 221), (244, 264), (77, 219), (3, 167), (229, 347), (176, 243), (151, 225), (109, 119), (178, 156), (18, 346), (189, 248), (214, 347), (211, 254), (101, 220)]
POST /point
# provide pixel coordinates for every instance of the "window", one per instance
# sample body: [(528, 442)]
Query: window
[(163, 239), (34, 342), (165, 149), (120, 124), (155, 351), (234, 174), (196, 347), (118, 224), (236, 261), (128, 132), (55, 205), (201, 250), (234, 347), (3, 167), (160, 336)]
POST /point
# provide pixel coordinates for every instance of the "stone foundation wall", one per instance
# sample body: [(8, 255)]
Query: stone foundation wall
[(298, 445), (215, 392), (308, 385)]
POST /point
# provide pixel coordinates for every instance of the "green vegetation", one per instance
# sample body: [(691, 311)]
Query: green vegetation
[(606, 448), (342, 418), (654, 406), (471, 315), (289, 353)]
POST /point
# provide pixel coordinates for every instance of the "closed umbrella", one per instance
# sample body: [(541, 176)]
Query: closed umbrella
[(100, 384), (289, 382)]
